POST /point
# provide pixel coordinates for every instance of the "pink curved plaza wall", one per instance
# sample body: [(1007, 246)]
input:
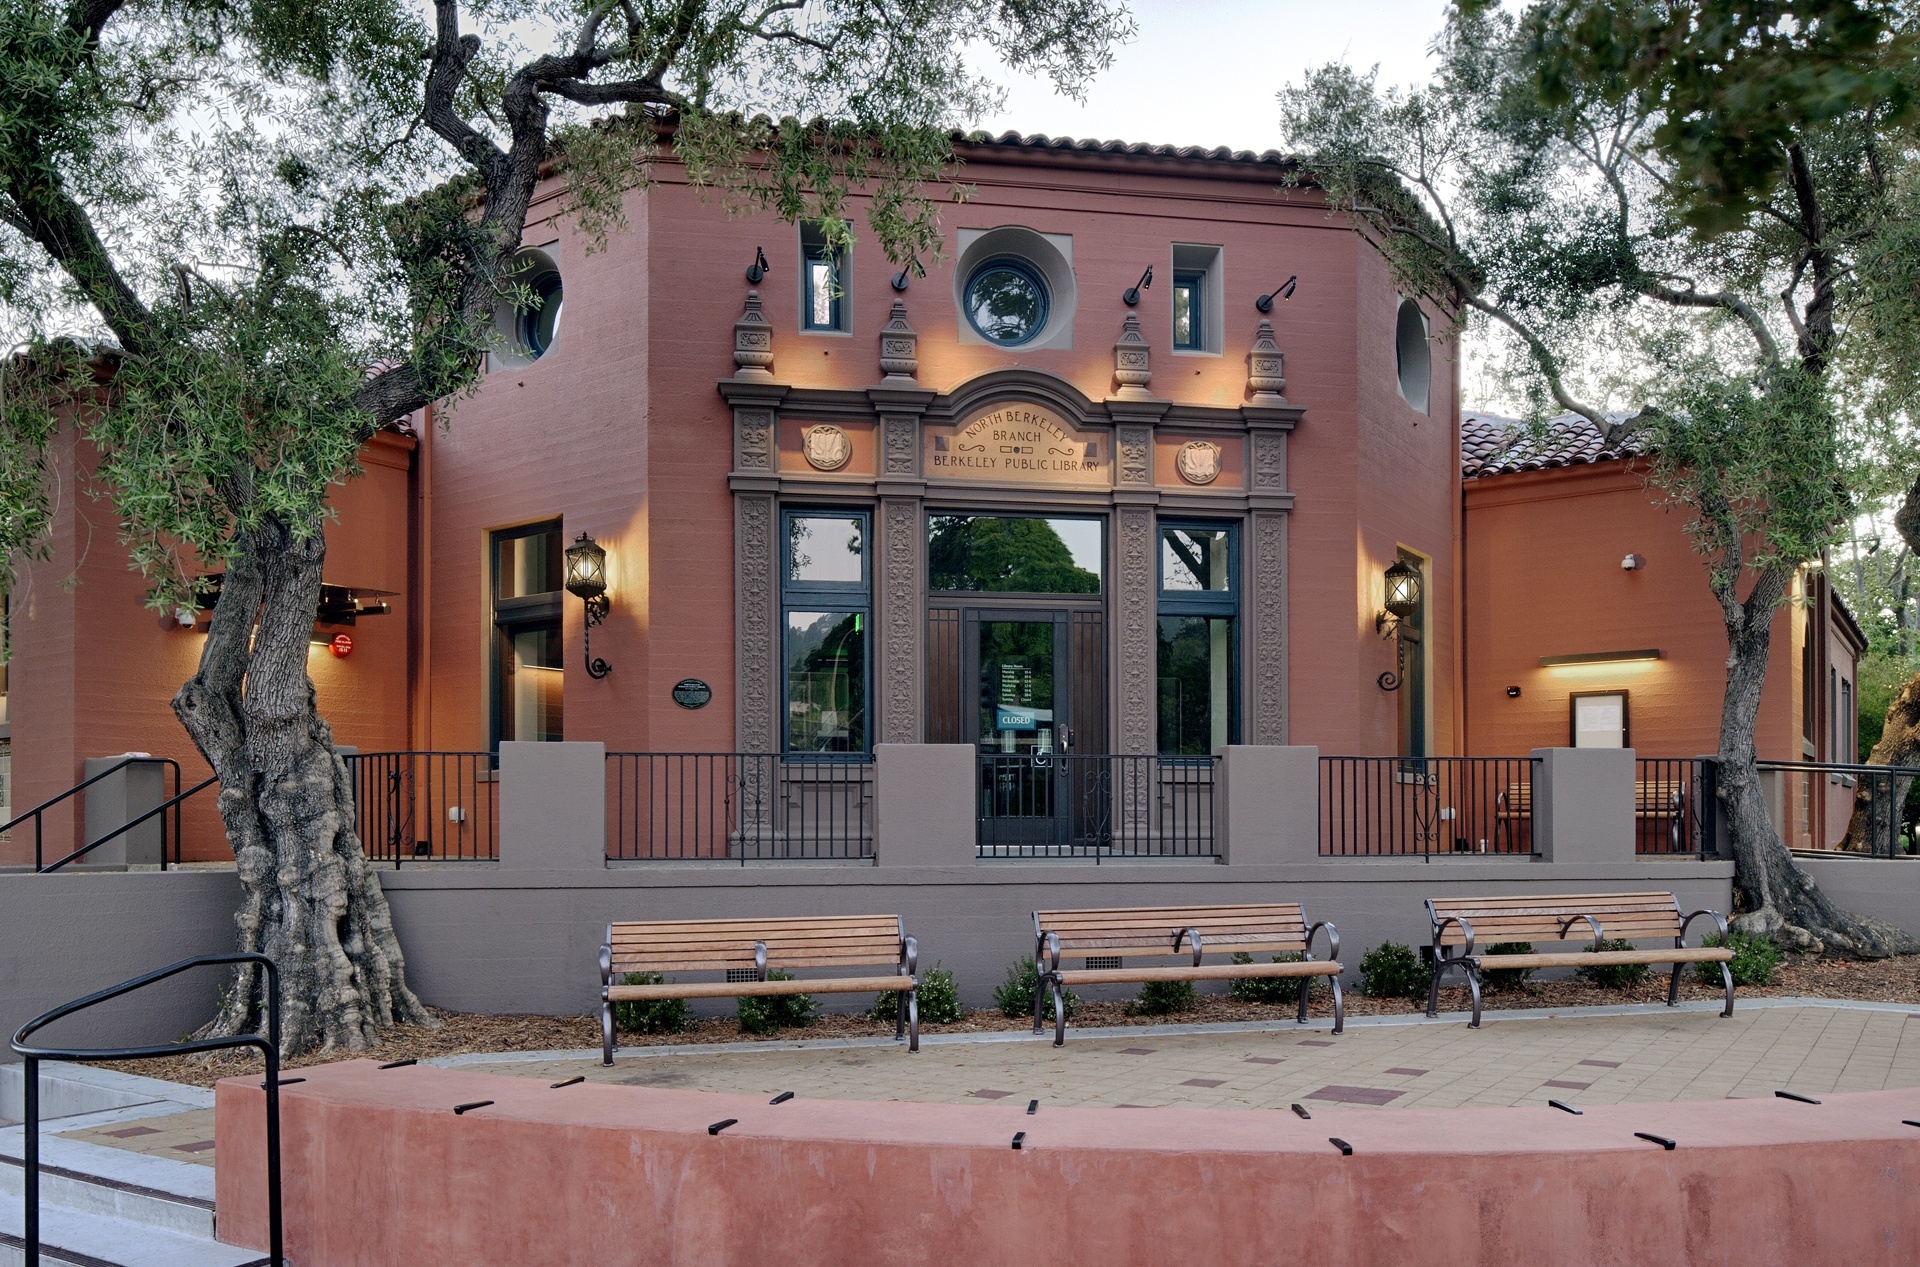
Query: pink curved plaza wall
[(380, 1170)]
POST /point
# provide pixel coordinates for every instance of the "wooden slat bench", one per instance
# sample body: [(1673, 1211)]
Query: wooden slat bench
[(1652, 799), (1460, 925), (736, 946), (1156, 931)]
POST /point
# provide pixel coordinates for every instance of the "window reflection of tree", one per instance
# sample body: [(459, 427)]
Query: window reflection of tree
[(827, 677), (1017, 556)]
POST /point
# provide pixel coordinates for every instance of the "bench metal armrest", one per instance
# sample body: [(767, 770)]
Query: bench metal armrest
[(606, 970), (1049, 957), (760, 959), (1599, 939), (1333, 940), (1441, 927), (1719, 920), (1188, 934), (909, 957)]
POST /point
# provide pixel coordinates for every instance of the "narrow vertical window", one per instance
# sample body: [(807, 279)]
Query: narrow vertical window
[(826, 622), (1189, 308), (823, 281), (529, 680), (1198, 638)]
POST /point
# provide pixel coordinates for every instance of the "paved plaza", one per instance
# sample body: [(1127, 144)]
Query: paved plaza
[(1615, 1056)]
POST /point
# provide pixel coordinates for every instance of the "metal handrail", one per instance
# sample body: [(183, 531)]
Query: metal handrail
[(82, 786), (172, 803), (269, 1046)]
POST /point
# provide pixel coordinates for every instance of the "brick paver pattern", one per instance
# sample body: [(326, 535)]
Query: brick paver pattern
[(1594, 1060)]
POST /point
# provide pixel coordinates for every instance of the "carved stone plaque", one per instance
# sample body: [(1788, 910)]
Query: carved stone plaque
[(826, 447), (1018, 444), (1198, 462)]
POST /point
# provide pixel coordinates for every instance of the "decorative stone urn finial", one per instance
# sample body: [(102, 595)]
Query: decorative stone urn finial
[(1130, 361), (753, 342), (899, 358), (1264, 378)]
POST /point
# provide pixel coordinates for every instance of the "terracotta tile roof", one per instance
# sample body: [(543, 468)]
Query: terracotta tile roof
[(1040, 141), (1492, 445)]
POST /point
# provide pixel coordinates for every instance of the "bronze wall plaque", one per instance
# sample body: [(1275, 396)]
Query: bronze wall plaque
[(691, 692), (1019, 444)]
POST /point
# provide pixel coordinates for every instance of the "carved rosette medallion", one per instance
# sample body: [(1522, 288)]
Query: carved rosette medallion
[(1264, 378), (899, 355), (1198, 462), (1132, 366), (825, 447), (753, 342)]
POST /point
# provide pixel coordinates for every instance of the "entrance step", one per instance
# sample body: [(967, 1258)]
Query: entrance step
[(71, 1238), (175, 1196)]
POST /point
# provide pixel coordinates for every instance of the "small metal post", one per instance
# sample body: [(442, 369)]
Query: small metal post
[(276, 1242), (32, 1127)]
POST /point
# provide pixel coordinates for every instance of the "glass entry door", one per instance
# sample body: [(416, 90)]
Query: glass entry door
[(1017, 662)]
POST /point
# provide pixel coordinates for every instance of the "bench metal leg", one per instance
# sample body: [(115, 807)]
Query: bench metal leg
[(1673, 986), (900, 1014), (1306, 983), (1339, 1008), (1726, 975), (1433, 989), (1059, 1012), (1473, 987), (913, 1019), (606, 1032), (1039, 995)]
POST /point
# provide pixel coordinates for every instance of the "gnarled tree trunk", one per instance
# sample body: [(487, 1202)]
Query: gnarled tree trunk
[(1774, 897), (309, 900)]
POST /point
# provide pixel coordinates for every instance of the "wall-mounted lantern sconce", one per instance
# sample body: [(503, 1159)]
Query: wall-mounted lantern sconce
[(1403, 604), (915, 267), (587, 581), (1285, 290), (758, 269), (1132, 295)]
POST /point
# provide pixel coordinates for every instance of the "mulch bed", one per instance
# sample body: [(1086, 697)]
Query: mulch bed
[(1883, 981)]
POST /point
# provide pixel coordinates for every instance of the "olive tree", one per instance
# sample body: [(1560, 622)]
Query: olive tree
[(236, 240), (1664, 216)]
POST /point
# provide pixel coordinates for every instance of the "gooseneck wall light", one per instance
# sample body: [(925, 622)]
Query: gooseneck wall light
[(1398, 621), (587, 581), (1132, 294), (1284, 290), (758, 269)]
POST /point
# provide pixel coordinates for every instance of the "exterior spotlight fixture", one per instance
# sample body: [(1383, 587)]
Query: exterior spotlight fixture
[(1285, 290), (1403, 604), (915, 267), (1132, 295), (758, 269), (1633, 563), (587, 581)]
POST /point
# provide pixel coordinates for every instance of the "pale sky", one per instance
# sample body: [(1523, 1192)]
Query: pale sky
[(1203, 72)]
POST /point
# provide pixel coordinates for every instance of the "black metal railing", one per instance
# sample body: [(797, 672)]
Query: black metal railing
[(1891, 823), (426, 806), (268, 1046), (739, 806), (1422, 806), (1072, 805), (38, 813), (159, 811), (1676, 806)]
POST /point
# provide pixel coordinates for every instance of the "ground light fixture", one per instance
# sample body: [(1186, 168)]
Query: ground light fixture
[(587, 581), (1403, 604)]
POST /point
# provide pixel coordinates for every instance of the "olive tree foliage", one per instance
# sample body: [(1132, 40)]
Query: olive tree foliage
[(238, 239), (1674, 221)]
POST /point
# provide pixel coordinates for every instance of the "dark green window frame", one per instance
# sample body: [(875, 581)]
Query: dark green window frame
[(519, 614), (1210, 604), (850, 597), (1193, 282)]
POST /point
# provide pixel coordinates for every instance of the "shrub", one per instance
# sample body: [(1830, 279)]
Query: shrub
[(770, 1013), (1163, 998), (1014, 996), (1497, 979), (1392, 971), (1615, 976), (939, 999), (1754, 959), (1266, 989), (651, 1016)]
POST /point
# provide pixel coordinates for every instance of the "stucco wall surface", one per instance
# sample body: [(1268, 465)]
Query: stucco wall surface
[(379, 1170)]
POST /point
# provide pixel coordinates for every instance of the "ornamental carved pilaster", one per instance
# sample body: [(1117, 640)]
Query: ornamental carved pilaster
[(901, 656), (1134, 628), (1265, 380), (753, 342), (1133, 456), (899, 348), (1269, 472), (1267, 628), (756, 673), (1132, 361), (753, 440), (899, 445)]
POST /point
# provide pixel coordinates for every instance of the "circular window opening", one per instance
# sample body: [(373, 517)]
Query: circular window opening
[(1006, 302), (1410, 345), (525, 334)]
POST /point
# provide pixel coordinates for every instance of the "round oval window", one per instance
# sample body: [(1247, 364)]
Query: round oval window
[(540, 323), (1006, 302)]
